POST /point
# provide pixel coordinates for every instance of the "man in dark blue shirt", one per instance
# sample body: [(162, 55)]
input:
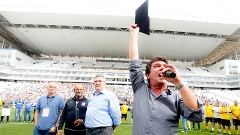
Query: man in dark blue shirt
[(73, 114)]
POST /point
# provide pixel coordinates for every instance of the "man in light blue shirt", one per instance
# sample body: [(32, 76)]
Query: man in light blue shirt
[(27, 111), (48, 110), (103, 111), (18, 110)]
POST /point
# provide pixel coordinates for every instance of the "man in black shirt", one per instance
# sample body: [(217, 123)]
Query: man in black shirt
[(73, 114)]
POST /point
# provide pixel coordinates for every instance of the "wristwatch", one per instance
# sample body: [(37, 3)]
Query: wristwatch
[(181, 85)]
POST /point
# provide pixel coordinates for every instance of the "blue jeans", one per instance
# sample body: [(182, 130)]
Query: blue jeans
[(42, 132), (18, 114), (184, 124), (25, 115)]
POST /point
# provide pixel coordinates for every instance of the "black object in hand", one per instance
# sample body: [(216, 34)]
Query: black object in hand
[(169, 74)]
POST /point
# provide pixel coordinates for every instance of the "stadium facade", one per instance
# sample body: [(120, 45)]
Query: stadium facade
[(18, 66)]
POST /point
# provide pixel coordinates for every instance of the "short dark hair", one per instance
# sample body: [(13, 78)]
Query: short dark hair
[(155, 58)]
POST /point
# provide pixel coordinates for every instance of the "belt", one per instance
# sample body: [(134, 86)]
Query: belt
[(98, 127)]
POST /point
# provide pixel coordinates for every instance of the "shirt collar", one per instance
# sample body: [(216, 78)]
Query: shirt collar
[(101, 92), (52, 96), (74, 98), (164, 93)]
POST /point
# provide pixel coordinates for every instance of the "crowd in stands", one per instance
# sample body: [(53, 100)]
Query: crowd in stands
[(32, 90)]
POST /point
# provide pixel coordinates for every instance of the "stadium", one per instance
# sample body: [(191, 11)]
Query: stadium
[(71, 42)]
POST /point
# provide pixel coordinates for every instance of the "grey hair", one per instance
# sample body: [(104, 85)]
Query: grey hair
[(100, 76), (52, 82), (79, 85)]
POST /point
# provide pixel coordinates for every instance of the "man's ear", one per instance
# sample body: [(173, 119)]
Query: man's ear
[(147, 75)]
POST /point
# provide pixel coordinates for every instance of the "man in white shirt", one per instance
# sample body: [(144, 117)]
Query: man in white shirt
[(216, 117)]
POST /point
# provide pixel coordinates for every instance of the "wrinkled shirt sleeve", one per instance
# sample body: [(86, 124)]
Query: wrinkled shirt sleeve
[(193, 115), (114, 110), (136, 75)]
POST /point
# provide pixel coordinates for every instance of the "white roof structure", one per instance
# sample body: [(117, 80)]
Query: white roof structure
[(193, 30)]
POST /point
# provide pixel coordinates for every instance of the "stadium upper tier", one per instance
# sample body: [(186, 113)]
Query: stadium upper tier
[(73, 71)]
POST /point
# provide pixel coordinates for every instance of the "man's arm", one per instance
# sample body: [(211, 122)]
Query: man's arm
[(62, 117), (60, 113), (114, 111), (188, 97), (187, 94), (233, 113), (36, 117), (61, 108), (115, 115), (54, 128), (133, 44)]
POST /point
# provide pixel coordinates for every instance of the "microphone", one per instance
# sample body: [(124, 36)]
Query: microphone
[(169, 74)]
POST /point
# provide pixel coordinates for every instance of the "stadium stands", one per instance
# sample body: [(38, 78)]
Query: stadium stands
[(199, 70), (34, 89), (75, 71)]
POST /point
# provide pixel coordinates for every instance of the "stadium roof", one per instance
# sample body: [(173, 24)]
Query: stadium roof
[(203, 31)]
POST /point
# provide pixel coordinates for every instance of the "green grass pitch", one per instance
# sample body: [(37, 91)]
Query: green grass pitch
[(26, 128)]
